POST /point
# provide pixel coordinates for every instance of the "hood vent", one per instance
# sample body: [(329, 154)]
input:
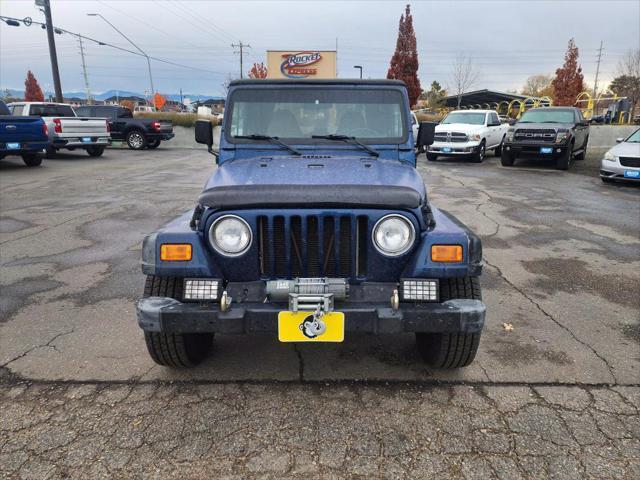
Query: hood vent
[(316, 156)]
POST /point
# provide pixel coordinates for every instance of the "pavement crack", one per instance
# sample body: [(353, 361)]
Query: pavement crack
[(44, 345), (300, 363), (553, 319)]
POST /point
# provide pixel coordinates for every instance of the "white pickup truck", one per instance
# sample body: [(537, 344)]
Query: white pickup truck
[(468, 133), (66, 129)]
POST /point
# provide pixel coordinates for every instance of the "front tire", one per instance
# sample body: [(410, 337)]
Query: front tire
[(177, 350), (136, 140), (498, 150), (564, 161), (451, 350), (432, 157), (95, 151), (506, 159), (51, 152), (478, 157), (32, 159)]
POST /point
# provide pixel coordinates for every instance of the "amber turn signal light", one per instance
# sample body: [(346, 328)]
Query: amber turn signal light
[(446, 253), (175, 252)]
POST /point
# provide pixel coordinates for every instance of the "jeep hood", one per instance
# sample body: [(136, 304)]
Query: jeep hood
[(314, 181)]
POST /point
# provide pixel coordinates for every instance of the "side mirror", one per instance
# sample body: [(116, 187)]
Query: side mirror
[(619, 140), (426, 132), (511, 121), (204, 132)]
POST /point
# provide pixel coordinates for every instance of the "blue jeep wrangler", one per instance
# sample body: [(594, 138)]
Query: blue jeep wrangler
[(314, 225)]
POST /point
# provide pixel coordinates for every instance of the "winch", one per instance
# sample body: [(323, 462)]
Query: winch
[(308, 293)]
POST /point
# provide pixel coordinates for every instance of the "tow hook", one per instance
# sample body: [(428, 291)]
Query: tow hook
[(395, 300), (225, 302)]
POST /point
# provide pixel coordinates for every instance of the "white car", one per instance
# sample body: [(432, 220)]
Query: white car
[(468, 133), (67, 130), (622, 162)]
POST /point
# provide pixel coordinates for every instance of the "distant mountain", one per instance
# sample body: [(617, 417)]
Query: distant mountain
[(112, 93)]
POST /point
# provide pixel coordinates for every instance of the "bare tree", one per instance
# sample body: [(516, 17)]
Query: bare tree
[(629, 65), (463, 76), (225, 85)]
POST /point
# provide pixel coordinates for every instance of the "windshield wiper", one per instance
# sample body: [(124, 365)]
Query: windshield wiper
[(348, 139), (275, 140)]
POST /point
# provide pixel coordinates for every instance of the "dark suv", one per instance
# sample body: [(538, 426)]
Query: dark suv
[(560, 133), (139, 133)]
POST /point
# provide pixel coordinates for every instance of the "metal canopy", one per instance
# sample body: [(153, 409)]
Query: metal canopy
[(481, 97)]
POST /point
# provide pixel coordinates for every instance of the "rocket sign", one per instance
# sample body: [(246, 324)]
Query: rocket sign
[(296, 65)]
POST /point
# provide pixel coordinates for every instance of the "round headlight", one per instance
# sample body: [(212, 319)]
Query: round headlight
[(393, 235), (230, 235)]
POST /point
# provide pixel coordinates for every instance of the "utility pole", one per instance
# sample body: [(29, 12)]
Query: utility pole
[(241, 46), (84, 72), (595, 83), (52, 49)]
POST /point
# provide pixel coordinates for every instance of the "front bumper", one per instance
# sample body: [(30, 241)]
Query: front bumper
[(462, 148), (614, 171), (162, 314), (533, 149)]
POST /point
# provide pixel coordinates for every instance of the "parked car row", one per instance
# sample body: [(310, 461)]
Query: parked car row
[(35, 129), (560, 134)]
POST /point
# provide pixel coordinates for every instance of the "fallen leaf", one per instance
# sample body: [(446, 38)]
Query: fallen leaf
[(507, 327)]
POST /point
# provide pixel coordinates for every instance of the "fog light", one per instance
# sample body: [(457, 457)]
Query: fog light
[(200, 289), (420, 290), (175, 252), (446, 253)]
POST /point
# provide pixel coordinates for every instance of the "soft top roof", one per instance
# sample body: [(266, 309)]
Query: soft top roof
[(302, 81)]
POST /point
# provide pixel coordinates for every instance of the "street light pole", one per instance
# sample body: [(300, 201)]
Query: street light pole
[(129, 40), (359, 67), (52, 49)]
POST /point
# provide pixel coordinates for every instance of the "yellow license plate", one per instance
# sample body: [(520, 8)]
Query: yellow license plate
[(302, 327)]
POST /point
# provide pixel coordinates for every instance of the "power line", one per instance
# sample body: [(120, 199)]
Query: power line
[(105, 44)]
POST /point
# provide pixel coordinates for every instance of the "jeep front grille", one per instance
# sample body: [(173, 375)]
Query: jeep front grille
[(313, 246)]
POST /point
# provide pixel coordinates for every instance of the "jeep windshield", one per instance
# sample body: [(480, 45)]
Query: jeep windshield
[(464, 117), (547, 116), (300, 114)]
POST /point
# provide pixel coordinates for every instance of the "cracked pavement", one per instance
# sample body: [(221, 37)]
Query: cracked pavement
[(555, 397)]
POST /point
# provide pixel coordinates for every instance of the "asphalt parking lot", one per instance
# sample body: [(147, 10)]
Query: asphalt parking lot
[(556, 396)]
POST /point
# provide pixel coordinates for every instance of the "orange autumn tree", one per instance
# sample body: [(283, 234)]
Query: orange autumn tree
[(32, 90), (258, 70), (569, 81)]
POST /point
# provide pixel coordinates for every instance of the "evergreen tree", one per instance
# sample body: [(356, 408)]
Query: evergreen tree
[(404, 63)]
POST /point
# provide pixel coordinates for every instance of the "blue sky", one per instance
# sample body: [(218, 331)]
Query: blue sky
[(508, 40)]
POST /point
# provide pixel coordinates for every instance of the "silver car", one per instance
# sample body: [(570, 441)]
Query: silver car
[(622, 162)]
